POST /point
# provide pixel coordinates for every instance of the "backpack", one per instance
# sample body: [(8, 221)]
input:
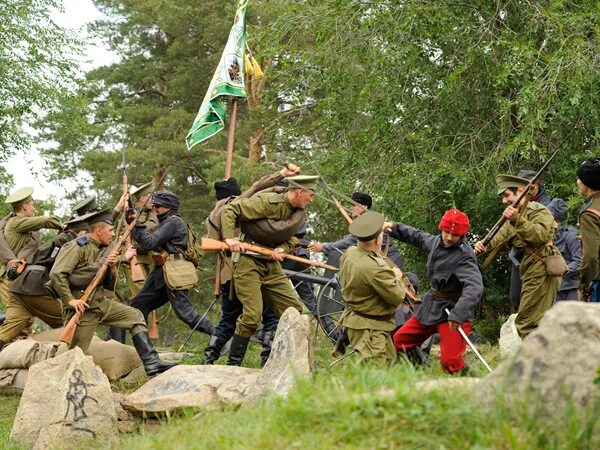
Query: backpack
[(194, 252)]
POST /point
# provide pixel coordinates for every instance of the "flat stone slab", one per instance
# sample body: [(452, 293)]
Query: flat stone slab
[(187, 387)]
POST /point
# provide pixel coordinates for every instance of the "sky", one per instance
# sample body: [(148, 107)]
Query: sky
[(27, 168)]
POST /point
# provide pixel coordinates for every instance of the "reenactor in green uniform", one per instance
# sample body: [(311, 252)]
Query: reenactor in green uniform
[(372, 291), (269, 219), (29, 297), (530, 231), (21, 233), (76, 265), (150, 220), (588, 182)]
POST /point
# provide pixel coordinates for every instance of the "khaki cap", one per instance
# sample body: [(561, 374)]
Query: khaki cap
[(307, 182), (367, 226), (144, 189), (85, 205), (19, 197), (505, 181)]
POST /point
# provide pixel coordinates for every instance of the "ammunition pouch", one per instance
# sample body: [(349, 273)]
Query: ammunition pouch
[(179, 273), (14, 268), (159, 259)]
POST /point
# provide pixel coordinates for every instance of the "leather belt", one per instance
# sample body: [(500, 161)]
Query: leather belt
[(372, 317), (455, 295)]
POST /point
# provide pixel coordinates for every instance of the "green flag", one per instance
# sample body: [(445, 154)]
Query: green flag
[(228, 81)]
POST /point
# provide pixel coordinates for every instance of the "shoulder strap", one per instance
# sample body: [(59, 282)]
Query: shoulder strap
[(593, 211)]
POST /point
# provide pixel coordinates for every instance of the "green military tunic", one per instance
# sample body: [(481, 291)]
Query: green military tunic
[(257, 278), (76, 264), (530, 236), (589, 226), (372, 293)]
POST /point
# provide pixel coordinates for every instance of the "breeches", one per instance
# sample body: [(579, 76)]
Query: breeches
[(372, 345), (257, 281), (231, 309), (149, 299), (452, 344), (22, 308), (104, 311)]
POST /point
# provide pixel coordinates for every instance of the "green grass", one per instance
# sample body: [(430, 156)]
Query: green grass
[(8, 410), (361, 407)]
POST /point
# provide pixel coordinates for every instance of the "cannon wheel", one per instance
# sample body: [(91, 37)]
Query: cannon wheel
[(330, 306)]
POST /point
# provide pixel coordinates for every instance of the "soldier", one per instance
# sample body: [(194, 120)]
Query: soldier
[(537, 194), (21, 235), (588, 182), (456, 285), (362, 205), (30, 298), (372, 291), (85, 206), (147, 218), (76, 264), (231, 308), (530, 231), (269, 219), (170, 238), (567, 241)]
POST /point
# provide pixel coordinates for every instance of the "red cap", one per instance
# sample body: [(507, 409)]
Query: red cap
[(454, 221)]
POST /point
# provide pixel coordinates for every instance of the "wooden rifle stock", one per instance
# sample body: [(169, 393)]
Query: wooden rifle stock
[(488, 237), (153, 328), (137, 272), (214, 245)]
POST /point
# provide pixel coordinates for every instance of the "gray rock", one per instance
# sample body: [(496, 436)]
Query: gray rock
[(126, 422), (185, 387), (66, 399), (558, 361), (446, 384), (174, 356), (509, 338), (291, 356)]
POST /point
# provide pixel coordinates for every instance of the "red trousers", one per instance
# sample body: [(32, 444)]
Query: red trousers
[(452, 344)]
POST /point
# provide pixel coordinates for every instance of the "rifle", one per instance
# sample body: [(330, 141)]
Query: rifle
[(69, 331), (214, 245), (488, 237)]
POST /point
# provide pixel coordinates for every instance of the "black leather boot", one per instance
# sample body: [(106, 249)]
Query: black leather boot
[(152, 363), (206, 327), (213, 351), (416, 357), (117, 334), (341, 344), (239, 344), (267, 343)]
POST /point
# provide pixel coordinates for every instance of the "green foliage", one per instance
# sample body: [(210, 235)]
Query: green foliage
[(419, 103), (36, 65)]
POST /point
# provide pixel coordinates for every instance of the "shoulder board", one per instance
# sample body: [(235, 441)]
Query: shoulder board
[(276, 198), (83, 240)]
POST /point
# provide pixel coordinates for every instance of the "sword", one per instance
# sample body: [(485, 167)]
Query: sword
[(468, 341)]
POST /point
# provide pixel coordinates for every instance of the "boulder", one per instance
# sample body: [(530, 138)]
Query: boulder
[(558, 361), (185, 387), (66, 399), (509, 338), (291, 356)]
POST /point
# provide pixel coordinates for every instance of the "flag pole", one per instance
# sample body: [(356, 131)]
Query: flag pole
[(230, 137)]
